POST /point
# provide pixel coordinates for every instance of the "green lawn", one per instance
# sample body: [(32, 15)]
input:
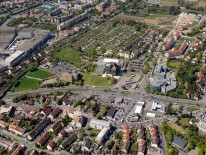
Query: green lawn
[(41, 74), (193, 109), (174, 64), (95, 80), (27, 83), (168, 2), (70, 55), (184, 121)]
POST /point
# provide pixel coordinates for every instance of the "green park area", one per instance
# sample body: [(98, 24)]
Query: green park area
[(31, 80), (40, 74), (193, 109), (70, 55), (95, 80), (27, 83)]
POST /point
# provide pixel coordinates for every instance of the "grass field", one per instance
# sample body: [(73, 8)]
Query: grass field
[(193, 109), (151, 19), (184, 121), (70, 55), (95, 80), (41, 74), (168, 2), (27, 83), (176, 127), (174, 64), (110, 35)]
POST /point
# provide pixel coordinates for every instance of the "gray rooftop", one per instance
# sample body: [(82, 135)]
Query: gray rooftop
[(179, 142)]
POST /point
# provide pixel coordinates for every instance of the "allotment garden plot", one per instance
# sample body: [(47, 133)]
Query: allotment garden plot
[(111, 35)]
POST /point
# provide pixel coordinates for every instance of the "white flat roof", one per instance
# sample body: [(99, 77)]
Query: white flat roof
[(100, 122), (149, 114), (107, 60), (142, 103), (102, 133), (138, 109), (13, 56)]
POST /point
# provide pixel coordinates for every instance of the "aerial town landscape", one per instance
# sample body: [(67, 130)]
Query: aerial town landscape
[(103, 77)]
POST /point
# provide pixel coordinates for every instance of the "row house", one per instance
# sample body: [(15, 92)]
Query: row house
[(16, 129), (180, 51), (39, 128), (51, 145), (102, 135), (68, 141), (43, 139), (154, 135), (141, 140), (168, 45), (46, 110), (3, 124), (76, 115), (19, 150), (57, 126), (55, 113), (126, 139)]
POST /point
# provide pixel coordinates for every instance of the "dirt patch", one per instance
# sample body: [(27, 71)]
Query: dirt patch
[(155, 20), (202, 3), (176, 127)]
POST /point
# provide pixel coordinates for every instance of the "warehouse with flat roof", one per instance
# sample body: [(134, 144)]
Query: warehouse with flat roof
[(14, 59)]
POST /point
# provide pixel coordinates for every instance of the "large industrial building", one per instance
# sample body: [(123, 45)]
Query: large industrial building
[(73, 21), (23, 45)]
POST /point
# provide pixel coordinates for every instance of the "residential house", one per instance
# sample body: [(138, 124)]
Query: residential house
[(86, 146), (34, 152), (75, 148), (16, 129), (179, 51), (43, 139), (102, 135), (111, 112), (76, 115), (177, 35), (179, 142), (124, 54), (64, 99), (54, 113), (19, 150), (68, 141), (39, 128), (169, 45), (154, 135), (51, 145), (126, 147), (62, 134), (57, 126), (99, 124), (7, 144), (141, 140), (46, 110), (126, 139), (4, 124), (11, 111)]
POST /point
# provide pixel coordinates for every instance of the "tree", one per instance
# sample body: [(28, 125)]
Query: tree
[(110, 144), (113, 80), (2, 102)]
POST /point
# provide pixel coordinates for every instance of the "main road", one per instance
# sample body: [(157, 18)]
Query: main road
[(140, 92)]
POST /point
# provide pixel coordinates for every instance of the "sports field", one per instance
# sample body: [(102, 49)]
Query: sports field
[(31, 80), (40, 74), (27, 83), (151, 19), (95, 80), (71, 55), (169, 2)]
